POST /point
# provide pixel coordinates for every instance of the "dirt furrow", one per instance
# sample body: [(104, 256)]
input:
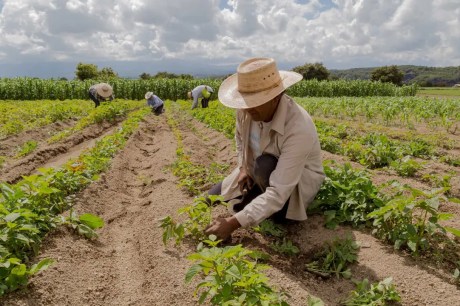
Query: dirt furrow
[(52, 155)]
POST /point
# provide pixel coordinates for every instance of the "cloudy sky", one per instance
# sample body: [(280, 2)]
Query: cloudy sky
[(47, 38)]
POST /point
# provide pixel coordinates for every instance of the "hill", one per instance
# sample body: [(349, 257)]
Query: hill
[(424, 76)]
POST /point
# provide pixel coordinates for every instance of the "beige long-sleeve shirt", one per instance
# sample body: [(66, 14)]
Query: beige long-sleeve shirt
[(292, 137)]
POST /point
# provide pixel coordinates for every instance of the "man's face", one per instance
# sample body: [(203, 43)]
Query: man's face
[(265, 111)]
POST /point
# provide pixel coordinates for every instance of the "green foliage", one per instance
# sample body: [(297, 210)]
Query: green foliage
[(107, 73), (346, 196), (27, 148), (268, 227), (335, 259), (313, 71), (199, 215), (388, 74), (376, 294), (229, 278), (285, 247), (314, 301), (86, 71), (411, 219), (14, 274), (29, 209), (406, 166)]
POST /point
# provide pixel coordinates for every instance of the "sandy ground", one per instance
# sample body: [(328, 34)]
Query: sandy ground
[(129, 265)]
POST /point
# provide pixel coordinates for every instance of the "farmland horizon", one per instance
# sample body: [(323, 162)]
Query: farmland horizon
[(132, 69)]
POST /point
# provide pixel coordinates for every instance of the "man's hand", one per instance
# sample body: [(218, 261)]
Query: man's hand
[(245, 182), (222, 227)]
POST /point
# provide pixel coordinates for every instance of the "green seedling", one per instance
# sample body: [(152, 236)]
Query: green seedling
[(268, 227), (314, 301), (406, 166), (334, 259), (26, 148), (199, 215), (376, 294), (285, 247), (229, 277)]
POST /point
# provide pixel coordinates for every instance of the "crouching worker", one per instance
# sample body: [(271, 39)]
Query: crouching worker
[(155, 103), (279, 156), (100, 92), (202, 92)]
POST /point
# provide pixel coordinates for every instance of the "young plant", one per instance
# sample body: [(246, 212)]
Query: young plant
[(26, 148), (85, 224), (346, 196), (285, 247), (411, 220), (334, 259), (199, 217), (229, 277), (406, 166), (377, 294), (268, 227)]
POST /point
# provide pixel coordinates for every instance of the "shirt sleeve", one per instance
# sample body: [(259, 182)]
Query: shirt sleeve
[(283, 180)]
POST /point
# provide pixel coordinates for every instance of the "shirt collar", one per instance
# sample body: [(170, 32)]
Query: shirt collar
[(279, 118)]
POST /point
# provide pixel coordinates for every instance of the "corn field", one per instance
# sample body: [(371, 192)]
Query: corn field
[(174, 89)]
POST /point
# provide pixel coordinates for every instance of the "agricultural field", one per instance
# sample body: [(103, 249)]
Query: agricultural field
[(105, 206)]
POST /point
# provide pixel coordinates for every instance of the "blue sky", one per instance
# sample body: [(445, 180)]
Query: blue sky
[(47, 38)]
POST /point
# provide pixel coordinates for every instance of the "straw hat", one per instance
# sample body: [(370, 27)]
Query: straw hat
[(189, 94), (148, 95), (256, 82), (104, 90)]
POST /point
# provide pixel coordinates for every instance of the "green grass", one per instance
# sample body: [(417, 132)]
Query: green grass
[(439, 91)]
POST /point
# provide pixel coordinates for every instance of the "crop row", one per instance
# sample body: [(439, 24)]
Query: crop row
[(407, 217), (18, 116), (35, 89), (30, 208), (399, 111)]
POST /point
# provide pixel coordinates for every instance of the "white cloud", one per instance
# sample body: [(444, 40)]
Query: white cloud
[(349, 33)]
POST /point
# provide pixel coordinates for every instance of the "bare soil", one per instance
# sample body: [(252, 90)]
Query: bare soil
[(129, 265)]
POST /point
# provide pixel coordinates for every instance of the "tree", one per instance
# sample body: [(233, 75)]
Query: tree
[(313, 71), (145, 76), (86, 71), (388, 74), (107, 73)]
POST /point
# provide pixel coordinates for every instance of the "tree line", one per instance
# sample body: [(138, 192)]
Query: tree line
[(309, 71)]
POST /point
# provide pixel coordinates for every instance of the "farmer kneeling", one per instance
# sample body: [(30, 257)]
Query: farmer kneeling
[(155, 103), (279, 156)]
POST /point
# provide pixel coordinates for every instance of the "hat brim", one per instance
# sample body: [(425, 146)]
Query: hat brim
[(230, 96), (104, 94)]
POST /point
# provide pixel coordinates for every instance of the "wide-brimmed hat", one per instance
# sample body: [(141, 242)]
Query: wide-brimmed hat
[(148, 95), (256, 82), (104, 90)]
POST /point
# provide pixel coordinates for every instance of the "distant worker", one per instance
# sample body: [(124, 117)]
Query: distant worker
[(155, 103), (101, 92), (202, 91)]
